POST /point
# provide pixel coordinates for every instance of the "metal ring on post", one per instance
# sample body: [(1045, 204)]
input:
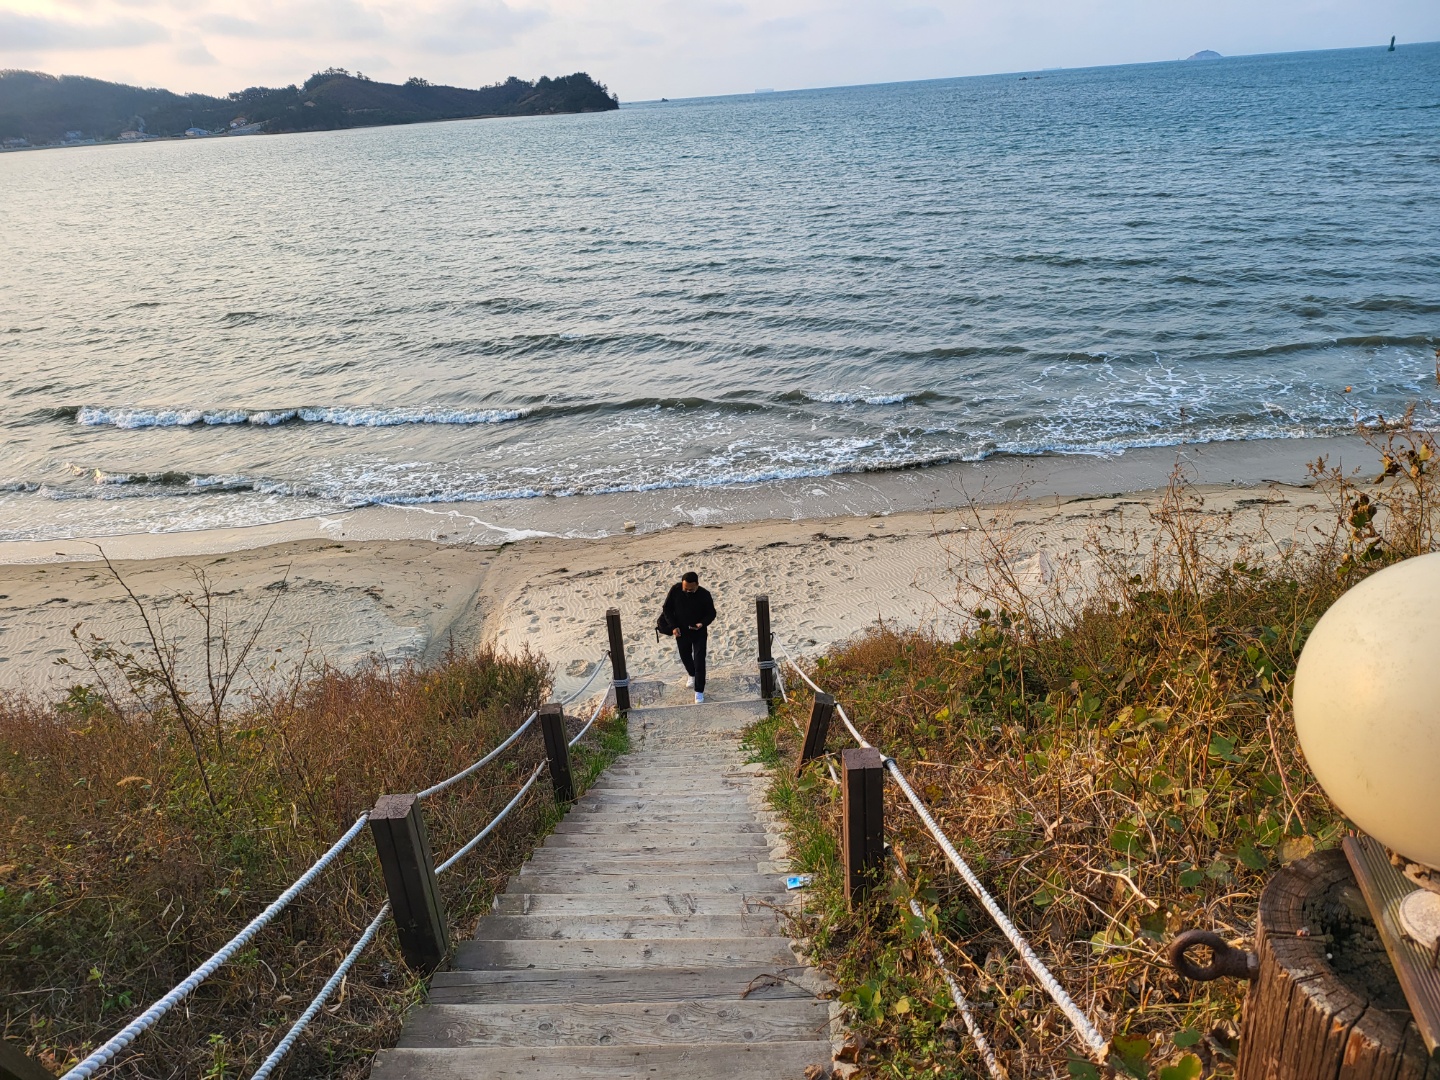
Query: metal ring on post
[(1226, 961)]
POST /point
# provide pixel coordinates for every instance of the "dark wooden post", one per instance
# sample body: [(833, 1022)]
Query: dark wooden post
[(617, 661), (862, 788), (557, 749), (403, 845), (16, 1065), (817, 730), (1324, 1000), (767, 661)]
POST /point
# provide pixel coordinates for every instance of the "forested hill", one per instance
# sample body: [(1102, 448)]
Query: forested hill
[(44, 109)]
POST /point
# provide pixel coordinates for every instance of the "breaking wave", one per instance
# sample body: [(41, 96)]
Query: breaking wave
[(344, 416)]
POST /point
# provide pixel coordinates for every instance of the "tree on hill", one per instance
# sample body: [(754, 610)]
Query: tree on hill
[(43, 108)]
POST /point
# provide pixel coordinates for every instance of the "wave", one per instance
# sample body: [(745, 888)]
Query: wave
[(863, 396), (344, 416)]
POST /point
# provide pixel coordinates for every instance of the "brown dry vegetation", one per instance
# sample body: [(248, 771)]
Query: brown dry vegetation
[(1115, 768), (139, 831)]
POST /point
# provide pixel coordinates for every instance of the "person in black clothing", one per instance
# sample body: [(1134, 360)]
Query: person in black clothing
[(688, 610)]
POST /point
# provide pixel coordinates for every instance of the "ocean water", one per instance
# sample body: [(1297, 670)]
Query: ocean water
[(717, 292)]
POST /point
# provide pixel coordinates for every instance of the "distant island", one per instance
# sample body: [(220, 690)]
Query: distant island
[(1205, 54), (45, 110)]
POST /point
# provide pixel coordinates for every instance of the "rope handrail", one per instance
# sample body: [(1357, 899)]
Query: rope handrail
[(1089, 1034), (961, 1002), (593, 717), (317, 1003), (131, 1031), (435, 789), (599, 667), (470, 845), (146, 1020)]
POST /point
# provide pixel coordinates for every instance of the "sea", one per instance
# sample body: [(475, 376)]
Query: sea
[(702, 297)]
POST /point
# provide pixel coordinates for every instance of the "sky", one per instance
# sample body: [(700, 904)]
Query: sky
[(645, 49)]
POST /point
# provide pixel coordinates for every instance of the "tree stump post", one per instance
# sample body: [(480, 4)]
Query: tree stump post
[(1325, 1003)]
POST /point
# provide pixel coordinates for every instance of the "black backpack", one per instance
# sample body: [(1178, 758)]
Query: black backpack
[(664, 628)]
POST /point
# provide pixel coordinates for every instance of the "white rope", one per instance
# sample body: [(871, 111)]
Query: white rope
[(318, 1002), (453, 859), (599, 667), (593, 717), (435, 789), (997, 1072), (131, 1031), (1086, 1030)]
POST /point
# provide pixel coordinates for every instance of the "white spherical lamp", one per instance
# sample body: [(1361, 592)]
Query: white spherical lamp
[(1367, 710)]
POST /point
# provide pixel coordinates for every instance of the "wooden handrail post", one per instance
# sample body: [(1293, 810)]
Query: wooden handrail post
[(767, 660), (817, 730), (403, 845), (617, 661), (862, 786), (557, 749)]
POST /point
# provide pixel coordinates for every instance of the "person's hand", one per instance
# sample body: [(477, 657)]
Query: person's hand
[(699, 626), (676, 631)]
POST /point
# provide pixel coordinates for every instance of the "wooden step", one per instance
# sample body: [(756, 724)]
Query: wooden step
[(599, 986), (520, 902), (596, 839), (715, 1061), (582, 861), (593, 826), (614, 816), (630, 1023), (621, 953), (764, 923), (651, 884)]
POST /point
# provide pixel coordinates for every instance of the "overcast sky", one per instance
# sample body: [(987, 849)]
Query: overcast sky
[(675, 48)]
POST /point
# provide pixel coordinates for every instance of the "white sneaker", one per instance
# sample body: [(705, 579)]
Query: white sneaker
[(699, 697), (689, 682)]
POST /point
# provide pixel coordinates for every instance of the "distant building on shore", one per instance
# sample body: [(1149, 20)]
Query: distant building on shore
[(195, 133)]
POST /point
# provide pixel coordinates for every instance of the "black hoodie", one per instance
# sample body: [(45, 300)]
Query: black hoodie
[(685, 609)]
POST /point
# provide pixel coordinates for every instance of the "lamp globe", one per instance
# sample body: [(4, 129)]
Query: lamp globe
[(1367, 711)]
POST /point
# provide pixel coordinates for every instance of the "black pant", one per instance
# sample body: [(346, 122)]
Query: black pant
[(692, 655)]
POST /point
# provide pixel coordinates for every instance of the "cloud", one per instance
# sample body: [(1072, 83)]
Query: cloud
[(20, 31), (459, 28), (313, 20), (195, 54)]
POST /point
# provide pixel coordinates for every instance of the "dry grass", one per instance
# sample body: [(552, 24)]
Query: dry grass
[(133, 844), (1116, 768)]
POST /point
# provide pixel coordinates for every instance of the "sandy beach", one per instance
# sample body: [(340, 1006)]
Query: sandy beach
[(343, 599)]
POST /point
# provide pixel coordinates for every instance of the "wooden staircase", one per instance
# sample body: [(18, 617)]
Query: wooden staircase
[(644, 938)]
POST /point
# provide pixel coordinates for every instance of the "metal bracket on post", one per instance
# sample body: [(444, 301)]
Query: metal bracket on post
[(767, 660), (617, 661), (403, 845), (817, 730), (557, 749), (862, 787)]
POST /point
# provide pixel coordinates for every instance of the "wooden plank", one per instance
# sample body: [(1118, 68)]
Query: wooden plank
[(582, 861), (651, 884), (678, 903), (611, 986), (763, 923), (1384, 887), (606, 953), (718, 1061), (403, 846), (689, 840), (643, 1023), (577, 826)]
